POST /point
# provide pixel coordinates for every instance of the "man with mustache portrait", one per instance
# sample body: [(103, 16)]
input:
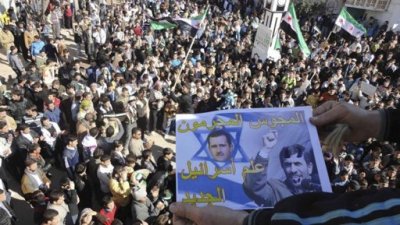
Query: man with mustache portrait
[(220, 145), (297, 164)]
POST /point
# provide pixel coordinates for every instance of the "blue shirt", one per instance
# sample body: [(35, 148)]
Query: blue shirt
[(176, 63), (53, 115), (36, 47)]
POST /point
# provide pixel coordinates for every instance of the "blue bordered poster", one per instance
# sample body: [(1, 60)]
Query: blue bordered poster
[(248, 158)]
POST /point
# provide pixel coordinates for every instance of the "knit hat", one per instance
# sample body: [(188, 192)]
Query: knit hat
[(85, 212), (139, 193)]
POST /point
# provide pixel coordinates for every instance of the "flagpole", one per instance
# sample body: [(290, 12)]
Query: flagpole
[(334, 26), (190, 48), (329, 36)]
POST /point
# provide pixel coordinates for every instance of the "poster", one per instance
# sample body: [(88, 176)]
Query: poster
[(248, 158), (261, 42), (368, 89)]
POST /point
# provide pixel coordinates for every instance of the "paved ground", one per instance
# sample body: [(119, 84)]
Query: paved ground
[(23, 210)]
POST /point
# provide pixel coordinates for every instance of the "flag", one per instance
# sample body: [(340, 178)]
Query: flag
[(291, 26), (278, 44), (191, 24), (162, 23), (349, 24)]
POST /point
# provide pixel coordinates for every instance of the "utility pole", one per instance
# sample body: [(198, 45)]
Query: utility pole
[(272, 18)]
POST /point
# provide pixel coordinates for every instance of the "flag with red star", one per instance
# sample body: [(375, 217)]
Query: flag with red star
[(346, 21), (291, 26)]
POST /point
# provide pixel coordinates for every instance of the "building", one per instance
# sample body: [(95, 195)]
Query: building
[(382, 10)]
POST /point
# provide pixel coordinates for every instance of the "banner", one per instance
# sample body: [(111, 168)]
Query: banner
[(262, 42), (248, 158)]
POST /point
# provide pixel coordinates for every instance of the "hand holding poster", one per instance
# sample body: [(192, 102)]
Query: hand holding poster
[(247, 159)]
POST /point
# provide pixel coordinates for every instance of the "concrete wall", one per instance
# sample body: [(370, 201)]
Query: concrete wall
[(5, 4), (392, 15)]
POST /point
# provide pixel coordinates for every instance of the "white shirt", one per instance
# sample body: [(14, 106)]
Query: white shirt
[(142, 107), (100, 36)]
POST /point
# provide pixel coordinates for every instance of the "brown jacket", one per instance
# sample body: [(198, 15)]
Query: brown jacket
[(28, 187), (6, 39), (29, 37)]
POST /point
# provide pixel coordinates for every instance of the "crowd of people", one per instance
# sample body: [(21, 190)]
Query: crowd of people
[(96, 122)]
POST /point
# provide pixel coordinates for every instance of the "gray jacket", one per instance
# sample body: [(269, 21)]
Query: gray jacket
[(15, 62), (144, 211)]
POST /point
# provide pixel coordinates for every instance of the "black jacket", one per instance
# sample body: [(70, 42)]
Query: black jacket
[(185, 103), (17, 109), (358, 207)]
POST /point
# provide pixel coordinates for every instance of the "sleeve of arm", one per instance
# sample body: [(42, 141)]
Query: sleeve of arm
[(66, 163), (103, 178), (147, 109), (22, 145), (305, 207), (45, 178), (68, 167), (20, 66), (118, 188), (79, 185), (173, 96), (26, 41), (56, 127), (390, 130), (12, 107), (258, 217), (120, 131), (74, 197), (13, 124), (256, 187), (3, 148), (152, 97), (25, 188), (154, 211)]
